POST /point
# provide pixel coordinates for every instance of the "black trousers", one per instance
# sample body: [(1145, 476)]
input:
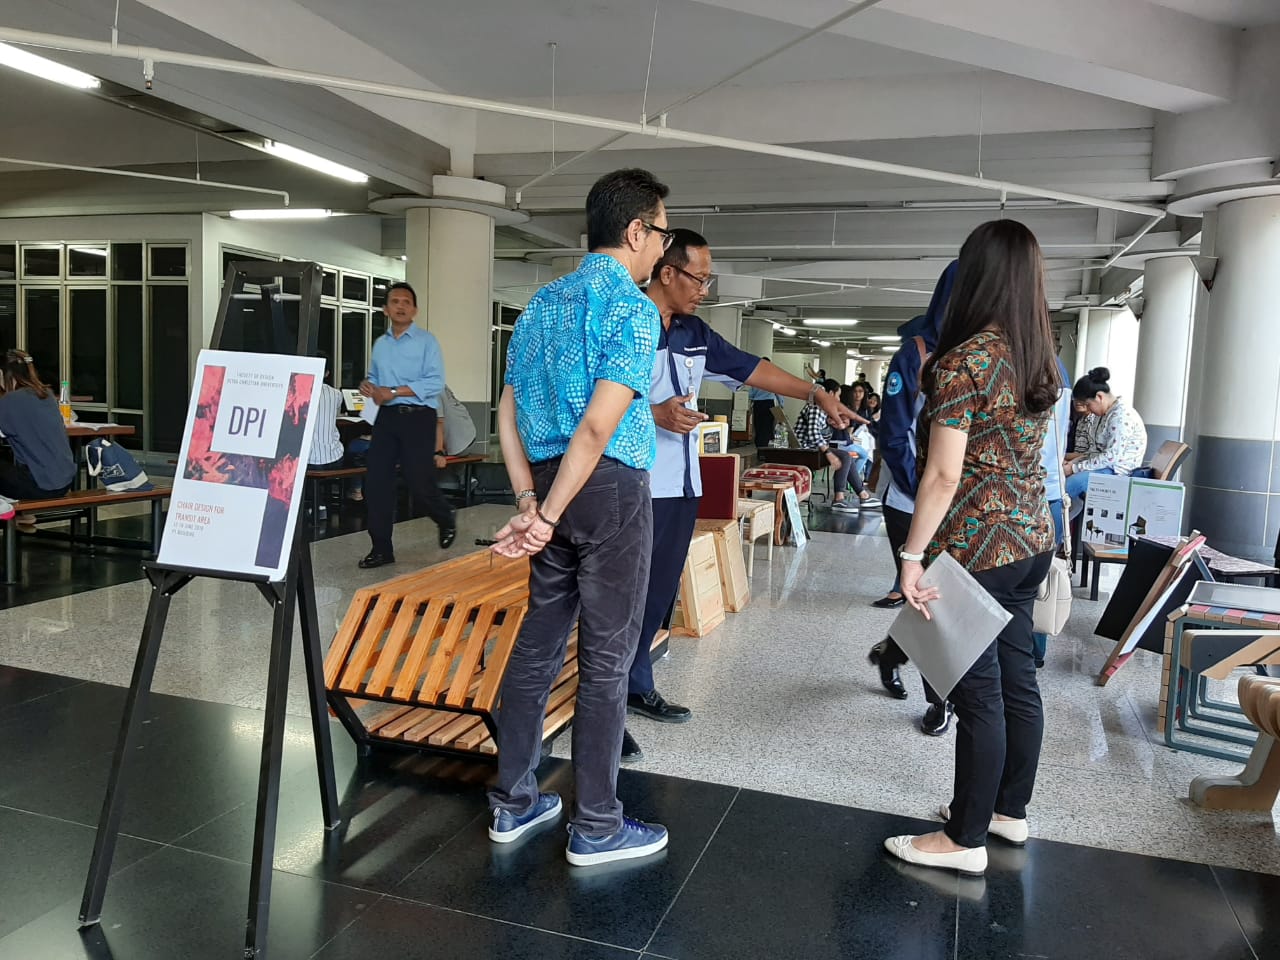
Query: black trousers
[(403, 435), (999, 712), (897, 524), (594, 570), (762, 418), (673, 520), (16, 483)]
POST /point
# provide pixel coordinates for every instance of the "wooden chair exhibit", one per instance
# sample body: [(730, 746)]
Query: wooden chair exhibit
[(418, 660), (756, 518), (1257, 786), (1167, 460)]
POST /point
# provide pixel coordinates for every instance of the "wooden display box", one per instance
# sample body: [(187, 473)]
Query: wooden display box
[(700, 608), (735, 588)]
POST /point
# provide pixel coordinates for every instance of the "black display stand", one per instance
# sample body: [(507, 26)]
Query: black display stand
[(248, 321)]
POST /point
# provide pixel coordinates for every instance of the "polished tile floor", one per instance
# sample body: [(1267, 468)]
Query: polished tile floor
[(778, 795)]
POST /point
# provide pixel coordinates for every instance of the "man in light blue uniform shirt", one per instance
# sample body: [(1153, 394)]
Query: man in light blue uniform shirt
[(689, 351), (578, 441), (406, 375)]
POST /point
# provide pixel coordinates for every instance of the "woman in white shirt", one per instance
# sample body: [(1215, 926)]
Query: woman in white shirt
[(1121, 436)]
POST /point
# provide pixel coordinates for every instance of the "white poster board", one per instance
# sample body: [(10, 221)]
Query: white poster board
[(799, 535), (244, 453), (1106, 511), (1155, 508)]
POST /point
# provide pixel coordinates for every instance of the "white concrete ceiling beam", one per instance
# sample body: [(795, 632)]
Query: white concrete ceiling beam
[(1129, 50)]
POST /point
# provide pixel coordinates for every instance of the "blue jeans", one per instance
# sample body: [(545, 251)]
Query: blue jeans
[(1078, 485), (1040, 641)]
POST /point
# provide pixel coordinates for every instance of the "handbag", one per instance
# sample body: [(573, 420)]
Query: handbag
[(1053, 598), (114, 466)]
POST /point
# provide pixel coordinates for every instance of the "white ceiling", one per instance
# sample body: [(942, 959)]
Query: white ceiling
[(1058, 94)]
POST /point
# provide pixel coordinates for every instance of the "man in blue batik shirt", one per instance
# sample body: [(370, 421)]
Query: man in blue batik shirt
[(689, 351), (578, 441)]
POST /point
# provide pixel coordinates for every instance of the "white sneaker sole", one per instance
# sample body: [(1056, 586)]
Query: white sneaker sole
[(510, 836), (611, 856)]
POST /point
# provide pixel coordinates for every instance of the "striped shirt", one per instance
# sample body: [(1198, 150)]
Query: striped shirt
[(326, 444)]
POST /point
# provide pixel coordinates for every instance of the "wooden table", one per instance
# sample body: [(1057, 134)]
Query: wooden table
[(779, 489)]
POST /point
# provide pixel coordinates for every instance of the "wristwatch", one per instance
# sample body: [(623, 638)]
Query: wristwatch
[(442, 453), (910, 557), (526, 495)]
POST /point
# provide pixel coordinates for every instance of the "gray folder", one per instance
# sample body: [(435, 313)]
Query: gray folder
[(965, 619)]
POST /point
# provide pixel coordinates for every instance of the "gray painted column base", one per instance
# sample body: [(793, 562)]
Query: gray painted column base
[(1234, 495)]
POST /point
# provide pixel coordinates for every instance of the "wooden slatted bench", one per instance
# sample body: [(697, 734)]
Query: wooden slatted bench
[(418, 660), (84, 503)]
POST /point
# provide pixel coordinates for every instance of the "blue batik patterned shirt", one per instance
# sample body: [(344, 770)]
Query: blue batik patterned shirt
[(593, 324)]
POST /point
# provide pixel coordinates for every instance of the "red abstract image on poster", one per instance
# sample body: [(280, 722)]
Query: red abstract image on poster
[(278, 475)]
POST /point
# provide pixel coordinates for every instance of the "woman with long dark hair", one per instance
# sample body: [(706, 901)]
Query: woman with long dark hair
[(990, 385), (42, 463)]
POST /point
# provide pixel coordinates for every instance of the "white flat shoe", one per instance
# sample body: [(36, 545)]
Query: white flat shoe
[(1010, 831), (971, 862)]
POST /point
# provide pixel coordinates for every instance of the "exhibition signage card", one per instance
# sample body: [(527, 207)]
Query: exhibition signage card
[(1117, 508), (244, 457), (1106, 508), (1155, 508)]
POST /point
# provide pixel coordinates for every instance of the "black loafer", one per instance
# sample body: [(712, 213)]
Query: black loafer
[(652, 705), (937, 719), (889, 603), (890, 679), (447, 536), (631, 752), (376, 560)]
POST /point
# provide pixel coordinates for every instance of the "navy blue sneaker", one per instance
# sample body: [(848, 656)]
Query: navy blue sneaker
[(507, 827), (635, 839)]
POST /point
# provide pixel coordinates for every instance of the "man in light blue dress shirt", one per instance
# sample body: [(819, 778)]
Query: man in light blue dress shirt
[(406, 376)]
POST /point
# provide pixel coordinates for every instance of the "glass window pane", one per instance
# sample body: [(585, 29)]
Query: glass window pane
[(355, 359), (8, 316), (89, 260), (39, 262), (126, 261), (328, 333), (378, 327), (129, 420), (168, 353), (87, 310), (8, 261), (355, 288), (168, 261), (43, 308), (128, 347), (329, 283), (380, 285)]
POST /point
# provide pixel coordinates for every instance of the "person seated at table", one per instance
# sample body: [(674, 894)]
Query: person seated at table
[(327, 452), (1121, 437), (814, 433), (42, 466)]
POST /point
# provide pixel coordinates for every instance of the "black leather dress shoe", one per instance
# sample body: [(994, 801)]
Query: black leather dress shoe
[(889, 677), (631, 752), (937, 719), (889, 603), (447, 536), (652, 705), (376, 560)]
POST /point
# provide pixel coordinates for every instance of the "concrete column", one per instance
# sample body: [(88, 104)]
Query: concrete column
[(1164, 348), (1110, 339), (876, 371), (726, 321), (449, 251), (563, 265), (833, 360), (1235, 488), (757, 337)]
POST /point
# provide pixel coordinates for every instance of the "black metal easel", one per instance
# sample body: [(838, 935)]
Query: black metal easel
[(296, 591), (249, 321)]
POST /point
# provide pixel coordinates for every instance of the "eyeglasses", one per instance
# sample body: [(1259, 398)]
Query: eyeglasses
[(667, 235), (705, 284)]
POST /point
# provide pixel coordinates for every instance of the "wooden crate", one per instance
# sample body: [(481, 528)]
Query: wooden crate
[(700, 608), (735, 588)]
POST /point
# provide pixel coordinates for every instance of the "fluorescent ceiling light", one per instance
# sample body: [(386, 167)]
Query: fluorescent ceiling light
[(823, 322), (46, 69), (788, 331), (890, 349), (93, 251), (885, 338), (823, 343), (777, 326), (311, 161), (282, 213)]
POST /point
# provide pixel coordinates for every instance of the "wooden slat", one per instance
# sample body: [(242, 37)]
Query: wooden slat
[(345, 637), (469, 660), (498, 657), (389, 653), (366, 644), (442, 658), (415, 660), (398, 726), (380, 719), (435, 719), (447, 734)]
